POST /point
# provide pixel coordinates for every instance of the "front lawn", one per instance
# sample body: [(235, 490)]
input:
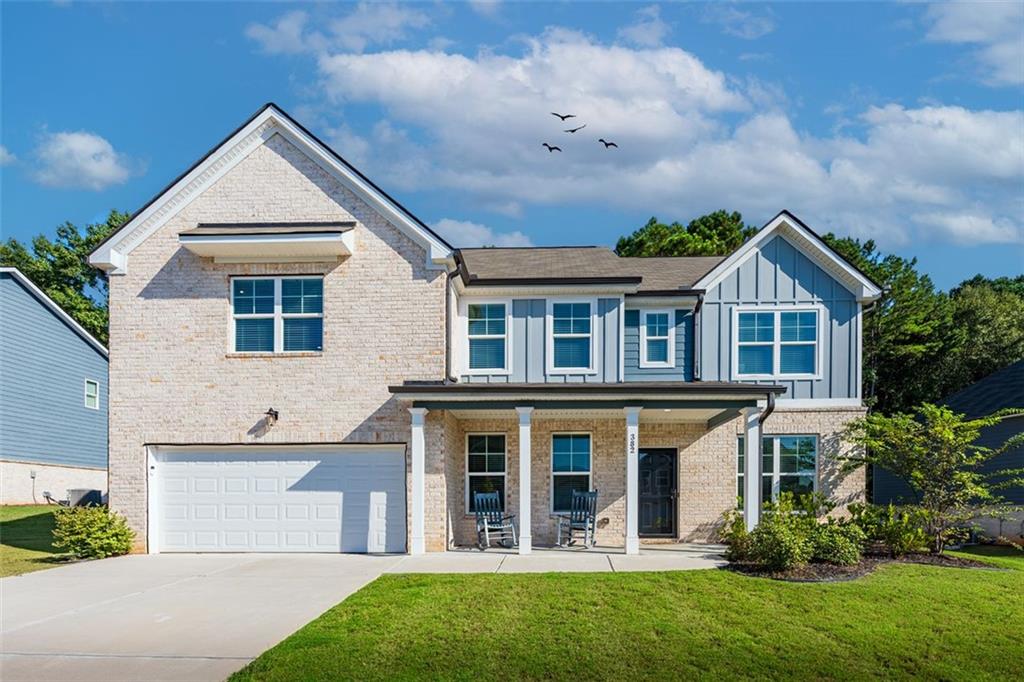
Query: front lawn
[(26, 534), (902, 621)]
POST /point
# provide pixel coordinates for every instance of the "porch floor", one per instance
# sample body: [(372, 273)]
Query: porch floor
[(669, 557)]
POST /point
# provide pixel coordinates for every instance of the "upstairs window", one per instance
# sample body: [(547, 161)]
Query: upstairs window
[(657, 339), (571, 337), (488, 336), (92, 394), (776, 344), (277, 314)]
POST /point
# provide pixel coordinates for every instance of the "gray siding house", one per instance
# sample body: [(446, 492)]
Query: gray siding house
[(1000, 390), (300, 364), (53, 397)]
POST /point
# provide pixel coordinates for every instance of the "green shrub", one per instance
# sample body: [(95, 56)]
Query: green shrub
[(835, 543), (900, 529), (91, 532), (736, 537), (779, 545)]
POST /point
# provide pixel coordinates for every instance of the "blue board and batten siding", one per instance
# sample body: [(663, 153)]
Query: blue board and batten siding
[(43, 368), (780, 275), (529, 346), (683, 370)]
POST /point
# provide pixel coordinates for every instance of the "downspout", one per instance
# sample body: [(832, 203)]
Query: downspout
[(696, 336), (448, 378), (769, 409)]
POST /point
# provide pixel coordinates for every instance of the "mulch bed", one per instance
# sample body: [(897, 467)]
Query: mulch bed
[(828, 573)]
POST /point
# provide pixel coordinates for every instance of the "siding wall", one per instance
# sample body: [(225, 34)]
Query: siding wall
[(529, 346), (43, 368), (683, 371), (780, 275)]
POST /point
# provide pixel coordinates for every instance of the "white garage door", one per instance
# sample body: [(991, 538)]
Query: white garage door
[(260, 499)]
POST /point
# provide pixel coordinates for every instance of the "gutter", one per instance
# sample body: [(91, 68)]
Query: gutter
[(769, 409)]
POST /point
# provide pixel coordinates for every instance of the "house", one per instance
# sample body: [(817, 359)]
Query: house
[(1000, 390), (300, 364), (53, 392)]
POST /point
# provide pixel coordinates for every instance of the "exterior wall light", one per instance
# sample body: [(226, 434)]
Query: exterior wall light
[(271, 416)]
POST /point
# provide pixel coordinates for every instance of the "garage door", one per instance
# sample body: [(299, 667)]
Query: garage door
[(258, 499)]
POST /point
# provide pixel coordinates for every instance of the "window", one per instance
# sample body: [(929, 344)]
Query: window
[(277, 315), (485, 467), (571, 336), (570, 468), (788, 464), (657, 339), (779, 343), (487, 328), (92, 394)]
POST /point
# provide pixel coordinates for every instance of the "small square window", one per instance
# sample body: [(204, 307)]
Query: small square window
[(92, 394)]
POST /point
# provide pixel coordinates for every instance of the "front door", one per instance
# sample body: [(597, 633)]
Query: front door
[(657, 492)]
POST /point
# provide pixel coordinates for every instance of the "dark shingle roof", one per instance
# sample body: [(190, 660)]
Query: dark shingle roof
[(1001, 389), (581, 264)]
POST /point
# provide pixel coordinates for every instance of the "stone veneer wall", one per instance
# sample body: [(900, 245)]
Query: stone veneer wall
[(173, 378), (707, 468)]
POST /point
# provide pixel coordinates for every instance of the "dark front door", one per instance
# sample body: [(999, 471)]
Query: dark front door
[(657, 492)]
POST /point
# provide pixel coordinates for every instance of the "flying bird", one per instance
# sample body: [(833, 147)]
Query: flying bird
[(563, 116), (573, 130), (606, 143), (552, 148)]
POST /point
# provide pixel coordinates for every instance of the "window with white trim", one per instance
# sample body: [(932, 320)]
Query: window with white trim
[(788, 464), (657, 338), (570, 468), (277, 314), (92, 394), (777, 343), (485, 467), (571, 336), (487, 331)]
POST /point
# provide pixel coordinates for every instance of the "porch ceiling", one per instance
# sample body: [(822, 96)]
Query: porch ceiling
[(654, 415)]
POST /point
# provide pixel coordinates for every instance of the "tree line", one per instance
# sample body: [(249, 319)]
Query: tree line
[(920, 343)]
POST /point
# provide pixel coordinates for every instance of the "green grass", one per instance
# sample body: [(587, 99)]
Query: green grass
[(902, 621), (25, 539)]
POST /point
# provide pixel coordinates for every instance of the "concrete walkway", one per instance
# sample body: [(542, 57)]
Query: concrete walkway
[(204, 616)]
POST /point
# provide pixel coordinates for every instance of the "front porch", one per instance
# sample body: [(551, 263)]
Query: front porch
[(662, 459)]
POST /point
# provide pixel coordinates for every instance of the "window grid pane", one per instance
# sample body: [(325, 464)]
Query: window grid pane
[(657, 350), (570, 453), (755, 360), (796, 358), (657, 325), (254, 335), (486, 353), (303, 334), (486, 484), (562, 489), (302, 296)]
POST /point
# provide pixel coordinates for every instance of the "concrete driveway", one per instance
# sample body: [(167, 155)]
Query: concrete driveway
[(167, 617)]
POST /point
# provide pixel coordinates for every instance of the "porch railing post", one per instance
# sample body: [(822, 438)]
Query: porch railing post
[(752, 466), (417, 544), (525, 521), (632, 480)]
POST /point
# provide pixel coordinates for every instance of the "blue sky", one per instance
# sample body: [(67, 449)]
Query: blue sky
[(898, 122)]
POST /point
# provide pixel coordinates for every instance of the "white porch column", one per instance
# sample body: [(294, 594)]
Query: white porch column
[(416, 533), (525, 497), (632, 479), (752, 466)]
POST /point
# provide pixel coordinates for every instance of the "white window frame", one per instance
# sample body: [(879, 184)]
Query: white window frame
[(549, 333), (670, 337), (551, 466), (504, 474), (87, 395), (507, 369), (776, 472), (278, 315), (777, 343)]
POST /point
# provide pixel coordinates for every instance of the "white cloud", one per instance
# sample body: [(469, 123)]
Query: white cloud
[(737, 22), (487, 8), (463, 233), (370, 23), (6, 157), (648, 30), (691, 139), (79, 160), (996, 28)]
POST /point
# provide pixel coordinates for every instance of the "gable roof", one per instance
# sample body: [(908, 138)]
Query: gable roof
[(580, 265), (41, 296), (809, 243), (112, 254), (1001, 389)]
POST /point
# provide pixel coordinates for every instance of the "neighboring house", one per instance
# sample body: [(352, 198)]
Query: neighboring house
[(300, 364), (53, 393), (998, 391)]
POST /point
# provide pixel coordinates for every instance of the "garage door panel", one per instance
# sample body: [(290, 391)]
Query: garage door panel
[(255, 500)]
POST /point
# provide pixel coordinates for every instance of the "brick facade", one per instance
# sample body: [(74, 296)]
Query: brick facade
[(172, 377)]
